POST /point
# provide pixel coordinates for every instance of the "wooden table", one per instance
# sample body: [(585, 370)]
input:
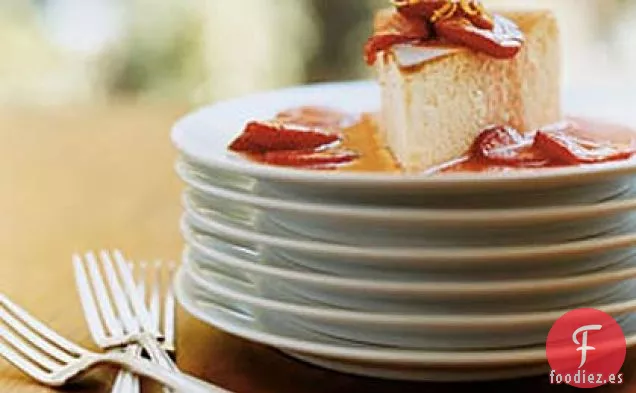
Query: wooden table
[(74, 179)]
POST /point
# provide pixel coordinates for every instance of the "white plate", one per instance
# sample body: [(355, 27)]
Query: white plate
[(381, 363), (279, 300), (214, 187), (203, 138), (341, 358), (392, 233), (557, 195), (219, 254), (402, 256), (241, 216), (219, 285)]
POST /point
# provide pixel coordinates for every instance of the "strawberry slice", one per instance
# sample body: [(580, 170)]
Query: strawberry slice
[(381, 42), (263, 137), (421, 9), (504, 41), (500, 145), (324, 159), (395, 28), (561, 143)]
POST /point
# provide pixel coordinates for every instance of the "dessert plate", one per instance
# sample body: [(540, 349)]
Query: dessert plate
[(351, 231), (470, 328), (381, 363), (203, 137), (557, 196), (620, 201), (616, 302), (218, 254), (414, 296), (348, 359), (246, 233)]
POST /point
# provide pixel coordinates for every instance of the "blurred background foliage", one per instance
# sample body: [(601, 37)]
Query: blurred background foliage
[(64, 51)]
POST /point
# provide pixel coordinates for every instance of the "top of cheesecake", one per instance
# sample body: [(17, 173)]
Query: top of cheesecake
[(443, 23)]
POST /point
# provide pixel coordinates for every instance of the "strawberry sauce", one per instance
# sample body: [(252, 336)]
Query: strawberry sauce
[(308, 137), (568, 143), (322, 138)]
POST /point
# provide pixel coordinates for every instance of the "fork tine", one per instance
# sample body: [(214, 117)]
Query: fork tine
[(141, 285), (169, 310), (155, 296), (87, 300), (139, 308), (140, 273), (24, 364), (35, 339), (42, 329), (121, 300), (29, 347), (103, 299)]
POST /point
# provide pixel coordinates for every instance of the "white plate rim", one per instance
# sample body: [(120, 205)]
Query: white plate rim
[(407, 357), (492, 321), (446, 255), (413, 215), (295, 96), (395, 287)]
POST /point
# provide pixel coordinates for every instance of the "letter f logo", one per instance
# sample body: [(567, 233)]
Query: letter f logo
[(583, 343)]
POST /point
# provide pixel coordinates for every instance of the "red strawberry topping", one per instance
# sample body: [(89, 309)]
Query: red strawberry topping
[(262, 137)]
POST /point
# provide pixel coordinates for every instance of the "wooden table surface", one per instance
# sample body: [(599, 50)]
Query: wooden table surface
[(88, 178)]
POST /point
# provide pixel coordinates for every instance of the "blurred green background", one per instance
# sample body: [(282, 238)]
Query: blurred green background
[(61, 51)]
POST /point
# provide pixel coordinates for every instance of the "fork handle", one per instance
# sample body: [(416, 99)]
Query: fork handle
[(156, 352), (127, 382), (173, 379)]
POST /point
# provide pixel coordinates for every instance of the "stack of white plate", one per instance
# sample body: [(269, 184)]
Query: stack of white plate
[(453, 277)]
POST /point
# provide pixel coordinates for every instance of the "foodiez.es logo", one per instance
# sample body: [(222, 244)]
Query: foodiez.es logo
[(586, 348)]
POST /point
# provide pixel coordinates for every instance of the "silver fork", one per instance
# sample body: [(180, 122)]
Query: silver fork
[(52, 360), (162, 277), (126, 382), (129, 322)]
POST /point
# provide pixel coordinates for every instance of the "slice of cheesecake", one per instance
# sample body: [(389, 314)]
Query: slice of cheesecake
[(437, 98)]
